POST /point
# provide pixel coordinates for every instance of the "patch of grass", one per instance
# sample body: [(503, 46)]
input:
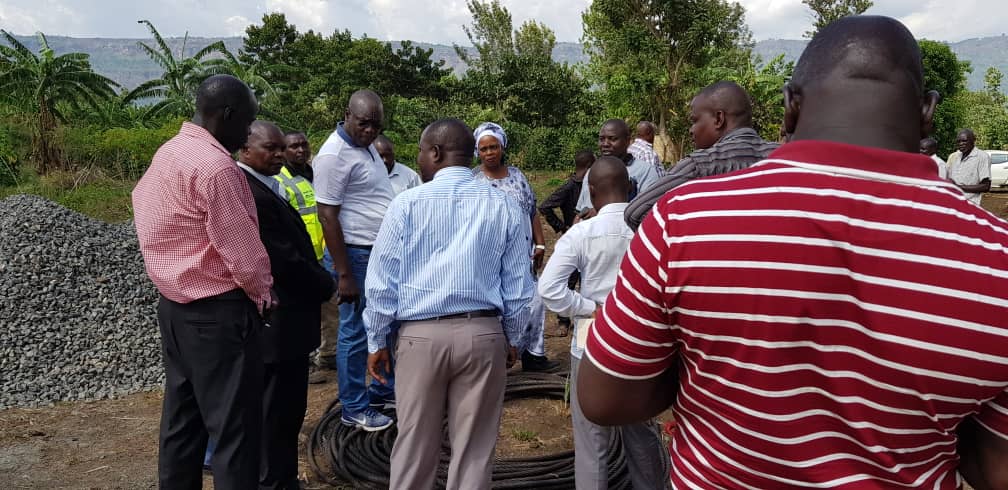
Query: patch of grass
[(86, 191), (525, 435)]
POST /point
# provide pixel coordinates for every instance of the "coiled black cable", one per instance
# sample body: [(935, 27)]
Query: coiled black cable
[(341, 454)]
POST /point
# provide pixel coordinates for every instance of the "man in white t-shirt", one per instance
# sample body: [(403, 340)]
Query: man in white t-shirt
[(929, 147), (969, 168), (352, 190), (401, 176)]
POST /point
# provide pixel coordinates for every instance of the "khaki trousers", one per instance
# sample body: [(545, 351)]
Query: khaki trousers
[(449, 368), (330, 334)]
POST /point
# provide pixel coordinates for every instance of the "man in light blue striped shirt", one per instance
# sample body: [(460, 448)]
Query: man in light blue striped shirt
[(451, 265)]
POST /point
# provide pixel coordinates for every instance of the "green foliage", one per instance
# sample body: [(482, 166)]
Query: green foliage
[(515, 73), (945, 73), (827, 11), (121, 153), (992, 85), (987, 117), (84, 191), (174, 93), (645, 55), (42, 85)]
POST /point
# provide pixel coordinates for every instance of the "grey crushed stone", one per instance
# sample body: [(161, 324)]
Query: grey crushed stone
[(78, 317)]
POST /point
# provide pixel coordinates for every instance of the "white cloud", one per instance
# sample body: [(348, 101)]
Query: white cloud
[(441, 22)]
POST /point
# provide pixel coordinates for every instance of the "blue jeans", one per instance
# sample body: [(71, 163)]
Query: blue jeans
[(351, 349)]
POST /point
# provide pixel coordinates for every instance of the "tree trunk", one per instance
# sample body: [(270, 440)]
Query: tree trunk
[(45, 153)]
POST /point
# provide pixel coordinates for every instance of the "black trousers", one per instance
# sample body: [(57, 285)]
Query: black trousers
[(285, 399), (213, 385)]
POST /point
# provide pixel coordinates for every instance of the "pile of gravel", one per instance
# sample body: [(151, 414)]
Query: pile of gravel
[(78, 318)]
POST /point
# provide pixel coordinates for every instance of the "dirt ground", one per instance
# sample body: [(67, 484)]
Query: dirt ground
[(112, 444)]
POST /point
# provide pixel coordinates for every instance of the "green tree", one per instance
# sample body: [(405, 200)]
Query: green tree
[(992, 85), (945, 73), (44, 85), (514, 71), (174, 92), (645, 55), (827, 11), (490, 34)]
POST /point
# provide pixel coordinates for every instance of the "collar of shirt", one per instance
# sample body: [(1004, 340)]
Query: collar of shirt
[(454, 172), (614, 207), (643, 143), (395, 170), (194, 130), (271, 183), (346, 136), (857, 161)]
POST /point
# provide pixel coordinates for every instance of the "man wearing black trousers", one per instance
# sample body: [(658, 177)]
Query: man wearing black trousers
[(196, 225), (302, 285)]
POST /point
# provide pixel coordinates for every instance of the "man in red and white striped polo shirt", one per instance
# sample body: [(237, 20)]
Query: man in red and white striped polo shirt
[(199, 235), (829, 317)]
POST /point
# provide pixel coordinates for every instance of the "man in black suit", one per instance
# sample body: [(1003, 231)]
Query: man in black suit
[(292, 332)]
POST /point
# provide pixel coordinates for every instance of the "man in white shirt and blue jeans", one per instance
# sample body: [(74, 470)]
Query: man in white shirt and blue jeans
[(595, 248), (352, 190)]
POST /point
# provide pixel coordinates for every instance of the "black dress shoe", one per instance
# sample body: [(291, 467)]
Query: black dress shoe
[(538, 364)]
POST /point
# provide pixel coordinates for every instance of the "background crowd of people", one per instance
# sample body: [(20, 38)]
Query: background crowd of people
[(822, 313)]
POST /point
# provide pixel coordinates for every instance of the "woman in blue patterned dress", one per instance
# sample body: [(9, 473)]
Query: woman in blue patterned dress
[(491, 141)]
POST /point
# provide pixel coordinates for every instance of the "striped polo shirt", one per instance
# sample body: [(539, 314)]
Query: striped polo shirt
[(833, 313)]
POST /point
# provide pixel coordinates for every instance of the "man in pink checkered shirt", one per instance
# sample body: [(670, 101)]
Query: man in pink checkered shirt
[(198, 232)]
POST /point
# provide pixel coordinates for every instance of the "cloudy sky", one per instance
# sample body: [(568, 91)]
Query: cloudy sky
[(441, 21)]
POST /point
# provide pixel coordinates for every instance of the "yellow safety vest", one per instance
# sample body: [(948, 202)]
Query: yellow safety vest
[(301, 195)]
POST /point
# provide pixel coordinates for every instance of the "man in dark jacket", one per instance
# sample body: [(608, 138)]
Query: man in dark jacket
[(292, 332)]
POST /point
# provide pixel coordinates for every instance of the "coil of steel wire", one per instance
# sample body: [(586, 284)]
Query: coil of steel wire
[(341, 454)]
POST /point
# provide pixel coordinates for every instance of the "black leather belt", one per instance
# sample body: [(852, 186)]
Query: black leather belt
[(468, 316), (359, 247)]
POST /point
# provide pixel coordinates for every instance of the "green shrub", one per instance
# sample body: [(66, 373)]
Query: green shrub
[(123, 153)]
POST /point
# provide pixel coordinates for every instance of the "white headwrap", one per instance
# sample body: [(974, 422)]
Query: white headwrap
[(490, 129)]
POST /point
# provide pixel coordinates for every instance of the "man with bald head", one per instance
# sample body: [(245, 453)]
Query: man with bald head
[(459, 291), (594, 248), (642, 147), (196, 223), (832, 316), (613, 140), (724, 139), (353, 191), (401, 176), (301, 285), (969, 167)]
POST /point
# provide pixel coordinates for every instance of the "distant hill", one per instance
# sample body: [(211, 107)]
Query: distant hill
[(125, 62)]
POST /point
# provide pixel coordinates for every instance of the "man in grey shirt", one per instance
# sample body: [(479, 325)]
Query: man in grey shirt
[(721, 128)]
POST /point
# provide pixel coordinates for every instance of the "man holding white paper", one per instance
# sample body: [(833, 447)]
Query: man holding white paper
[(595, 248)]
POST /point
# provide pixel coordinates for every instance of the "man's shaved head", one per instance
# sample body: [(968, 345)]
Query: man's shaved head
[(225, 107), (364, 117), (608, 181), (864, 47), (729, 97), (646, 131), (265, 129), (445, 143), (264, 150), (386, 151), (928, 146), (619, 125), (717, 110), (860, 81)]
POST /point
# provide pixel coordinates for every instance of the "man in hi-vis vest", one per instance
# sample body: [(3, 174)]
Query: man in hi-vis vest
[(295, 177)]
